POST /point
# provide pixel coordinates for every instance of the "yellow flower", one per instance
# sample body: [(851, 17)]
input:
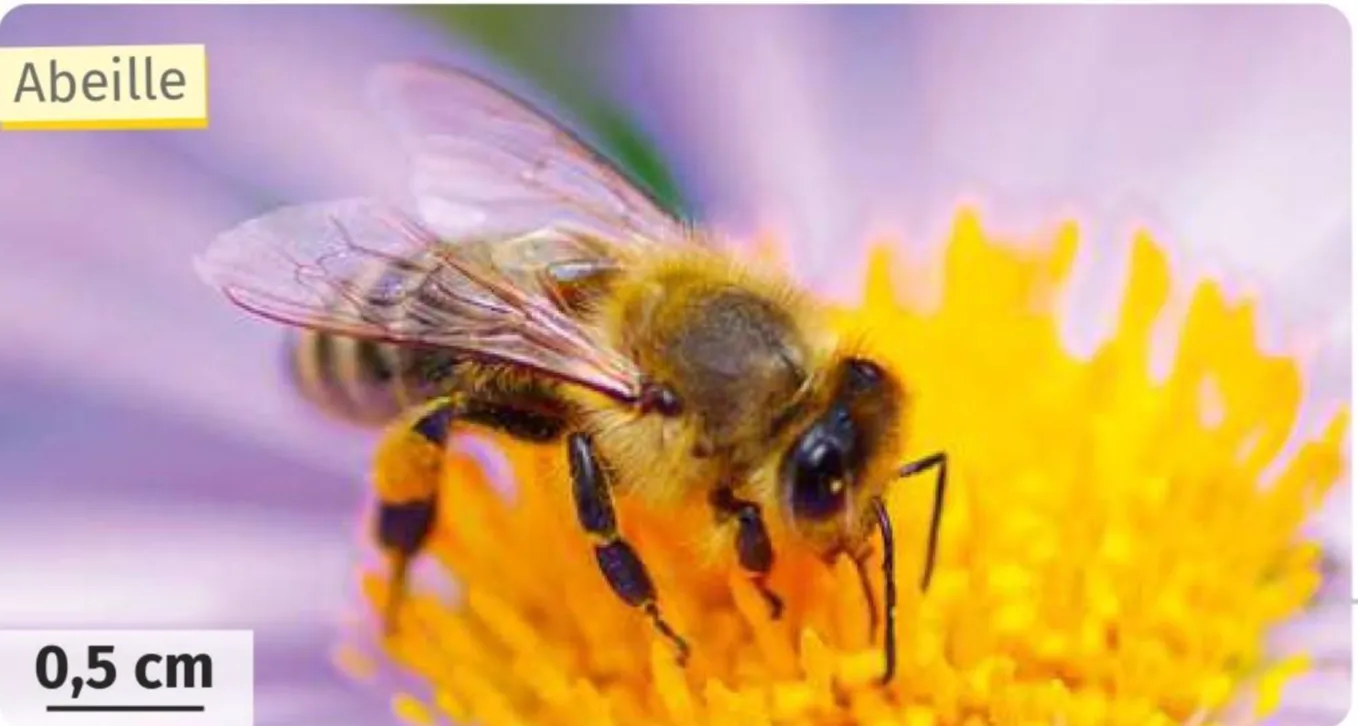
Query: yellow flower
[(1112, 550)]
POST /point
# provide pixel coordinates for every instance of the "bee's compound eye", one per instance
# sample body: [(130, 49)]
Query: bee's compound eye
[(818, 485)]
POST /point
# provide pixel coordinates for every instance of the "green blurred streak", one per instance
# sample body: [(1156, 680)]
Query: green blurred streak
[(558, 50)]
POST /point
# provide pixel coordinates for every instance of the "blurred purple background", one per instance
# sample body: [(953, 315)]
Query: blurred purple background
[(155, 469)]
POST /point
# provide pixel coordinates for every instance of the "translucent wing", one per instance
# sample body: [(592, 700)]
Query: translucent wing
[(368, 270), (486, 163)]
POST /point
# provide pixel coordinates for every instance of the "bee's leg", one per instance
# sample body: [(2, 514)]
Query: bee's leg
[(407, 471), (753, 548), (618, 561)]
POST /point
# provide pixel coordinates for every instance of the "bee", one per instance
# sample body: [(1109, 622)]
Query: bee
[(534, 289)]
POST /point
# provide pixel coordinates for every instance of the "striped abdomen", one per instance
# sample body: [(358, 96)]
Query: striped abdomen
[(362, 381)]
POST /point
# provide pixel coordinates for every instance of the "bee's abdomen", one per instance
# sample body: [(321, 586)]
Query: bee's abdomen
[(362, 381)]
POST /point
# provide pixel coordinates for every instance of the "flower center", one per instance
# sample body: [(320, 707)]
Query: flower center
[(1108, 555)]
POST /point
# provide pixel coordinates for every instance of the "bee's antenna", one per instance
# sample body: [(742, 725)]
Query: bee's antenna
[(888, 587), (939, 460)]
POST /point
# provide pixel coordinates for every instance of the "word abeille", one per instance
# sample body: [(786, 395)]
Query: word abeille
[(107, 87), (132, 78)]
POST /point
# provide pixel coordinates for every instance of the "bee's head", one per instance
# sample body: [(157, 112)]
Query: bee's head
[(837, 466)]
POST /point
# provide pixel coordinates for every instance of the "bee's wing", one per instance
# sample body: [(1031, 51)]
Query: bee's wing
[(368, 270), (486, 163)]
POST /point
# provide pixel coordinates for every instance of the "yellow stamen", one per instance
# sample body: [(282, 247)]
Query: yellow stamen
[(1272, 682), (411, 710), (1112, 551)]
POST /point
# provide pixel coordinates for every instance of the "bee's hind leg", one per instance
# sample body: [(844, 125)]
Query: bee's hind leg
[(621, 566), (754, 551), (407, 472), (409, 466)]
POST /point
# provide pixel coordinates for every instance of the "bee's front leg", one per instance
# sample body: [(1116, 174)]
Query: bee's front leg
[(754, 551), (619, 562)]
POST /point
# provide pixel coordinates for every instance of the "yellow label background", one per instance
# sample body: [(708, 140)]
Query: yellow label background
[(190, 111)]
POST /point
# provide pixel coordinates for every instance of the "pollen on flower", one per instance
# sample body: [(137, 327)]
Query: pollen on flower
[(1109, 554)]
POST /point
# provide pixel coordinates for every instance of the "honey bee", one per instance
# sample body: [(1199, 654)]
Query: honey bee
[(535, 290)]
